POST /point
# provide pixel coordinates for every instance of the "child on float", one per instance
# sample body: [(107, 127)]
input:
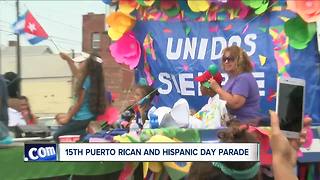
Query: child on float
[(90, 96), (143, 96), (214, 114)]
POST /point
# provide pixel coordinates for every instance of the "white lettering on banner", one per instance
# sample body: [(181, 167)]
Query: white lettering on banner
[(175, 83), (189, 47), (174, 55), (187, 86), (260, 81), (234, 40), (215, 40), (249, 40), (203, 45), (165, 79)]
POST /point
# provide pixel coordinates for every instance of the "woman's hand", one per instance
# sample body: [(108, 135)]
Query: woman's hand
[(284, 151), (64, 56), (214, 85)]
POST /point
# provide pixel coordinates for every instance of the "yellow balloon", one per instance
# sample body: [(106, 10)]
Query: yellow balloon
[(121, 138), (160, 138), (198, 5)]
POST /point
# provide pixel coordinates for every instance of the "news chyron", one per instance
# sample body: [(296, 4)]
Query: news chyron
[(40, 152)]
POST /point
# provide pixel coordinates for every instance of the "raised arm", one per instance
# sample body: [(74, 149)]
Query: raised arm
[(284, 155), (75, 72)]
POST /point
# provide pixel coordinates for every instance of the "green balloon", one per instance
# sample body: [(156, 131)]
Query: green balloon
[(213, 69)]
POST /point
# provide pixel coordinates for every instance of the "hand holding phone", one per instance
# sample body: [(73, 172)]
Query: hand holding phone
[(290, 105)]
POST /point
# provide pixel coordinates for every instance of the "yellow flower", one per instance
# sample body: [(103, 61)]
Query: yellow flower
[(119, 24)]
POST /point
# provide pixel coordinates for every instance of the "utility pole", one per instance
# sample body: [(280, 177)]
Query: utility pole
[(0, 55), (18, 53), (73, 79)]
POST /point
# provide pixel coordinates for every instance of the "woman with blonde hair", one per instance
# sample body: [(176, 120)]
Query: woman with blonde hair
[(241, 90)]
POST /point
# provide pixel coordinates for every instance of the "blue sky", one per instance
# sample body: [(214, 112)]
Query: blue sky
[(61, 19)]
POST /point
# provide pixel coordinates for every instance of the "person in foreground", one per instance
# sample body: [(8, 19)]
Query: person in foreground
[(235, 133), (241, 91), (3, 102), (284, 151), (284, 154), (90, 98)]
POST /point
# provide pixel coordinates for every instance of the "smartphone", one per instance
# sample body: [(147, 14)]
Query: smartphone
[(290, 105)]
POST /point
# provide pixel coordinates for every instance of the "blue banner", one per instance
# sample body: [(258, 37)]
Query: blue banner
[(184, 49)]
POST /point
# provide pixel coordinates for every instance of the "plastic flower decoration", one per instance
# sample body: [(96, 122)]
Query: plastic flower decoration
[(119, 24), (145, 2), (299, 32), (309, 10), (127, 6), (171, 8), (260, 6), (243, 9), (126, 50)]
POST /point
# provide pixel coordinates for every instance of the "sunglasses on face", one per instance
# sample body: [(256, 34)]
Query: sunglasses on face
[(228, 59)]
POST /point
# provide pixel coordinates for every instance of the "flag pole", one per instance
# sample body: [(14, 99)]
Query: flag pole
[(55, 45), (18, 53)]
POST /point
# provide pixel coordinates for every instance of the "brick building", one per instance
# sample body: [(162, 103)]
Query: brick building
[(118, 78)]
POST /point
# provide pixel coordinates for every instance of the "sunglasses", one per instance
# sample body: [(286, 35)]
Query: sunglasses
[(228, 59)]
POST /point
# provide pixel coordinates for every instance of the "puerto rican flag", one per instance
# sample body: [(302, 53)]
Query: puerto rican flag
[(29, 26)]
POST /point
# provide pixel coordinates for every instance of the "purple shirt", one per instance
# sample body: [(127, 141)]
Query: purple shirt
[(244, 85)]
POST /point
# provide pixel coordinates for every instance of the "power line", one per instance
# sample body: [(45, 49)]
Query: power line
[(52, 20), (48, 19), (55, 37), (4, 21), (6, 31), (71, 43), (65, 39), (58, 22)]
